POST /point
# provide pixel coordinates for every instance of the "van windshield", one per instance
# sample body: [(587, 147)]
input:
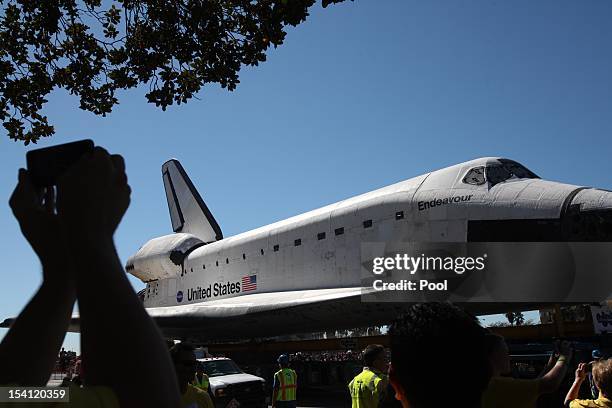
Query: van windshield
[(216, 368)]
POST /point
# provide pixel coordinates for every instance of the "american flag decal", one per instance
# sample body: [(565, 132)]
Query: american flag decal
[(249, 283)]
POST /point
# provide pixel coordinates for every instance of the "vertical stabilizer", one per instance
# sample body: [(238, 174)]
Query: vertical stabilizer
[(188, 212)]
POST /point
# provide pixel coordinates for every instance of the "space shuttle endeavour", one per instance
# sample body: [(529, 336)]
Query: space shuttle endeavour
[(302, 274)]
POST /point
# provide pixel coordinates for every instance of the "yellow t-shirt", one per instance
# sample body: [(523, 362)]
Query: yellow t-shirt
[(195, 398), (598, 403), (506, 392), (86, 397)]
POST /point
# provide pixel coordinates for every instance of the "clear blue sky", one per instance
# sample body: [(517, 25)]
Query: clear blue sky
[(362, 95)]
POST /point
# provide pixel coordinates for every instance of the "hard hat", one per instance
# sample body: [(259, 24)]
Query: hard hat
[(283, 359)]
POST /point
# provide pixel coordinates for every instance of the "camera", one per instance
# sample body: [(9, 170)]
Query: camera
[(48, 164)]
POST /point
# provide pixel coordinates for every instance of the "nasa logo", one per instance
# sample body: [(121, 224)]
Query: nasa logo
[(179, 296)]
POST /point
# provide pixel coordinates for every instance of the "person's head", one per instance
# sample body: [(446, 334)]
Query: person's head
[(596, 355), (499, 356), (438, 357), (283, 361), (374, 356), (185, 362), (602, 375)]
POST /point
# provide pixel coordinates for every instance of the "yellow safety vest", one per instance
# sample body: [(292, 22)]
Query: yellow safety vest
[(286, 378), (201, 384), (366, 389)]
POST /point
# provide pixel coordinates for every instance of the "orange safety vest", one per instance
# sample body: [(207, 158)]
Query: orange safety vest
[(287, 380)]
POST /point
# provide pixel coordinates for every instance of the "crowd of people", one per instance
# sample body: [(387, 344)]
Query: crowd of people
[(328, 356), (68, 365), (65, 361), (439, 354)]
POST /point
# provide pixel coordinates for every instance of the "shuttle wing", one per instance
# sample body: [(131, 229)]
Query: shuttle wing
[(254, 303), (274, 314), (266, 315)]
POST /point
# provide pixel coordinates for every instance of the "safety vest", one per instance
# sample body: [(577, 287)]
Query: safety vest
[(287, 381), (201, 384), (365, 390)]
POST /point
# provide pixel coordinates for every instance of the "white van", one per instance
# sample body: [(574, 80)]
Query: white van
[(228, 382)]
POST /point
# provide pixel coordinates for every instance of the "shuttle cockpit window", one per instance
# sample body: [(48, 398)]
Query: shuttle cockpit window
[(475, 176), (505, 170)]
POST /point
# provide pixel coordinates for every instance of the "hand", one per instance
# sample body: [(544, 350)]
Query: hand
[(93, 195), (581, 372), (551, 360), (34, 209)]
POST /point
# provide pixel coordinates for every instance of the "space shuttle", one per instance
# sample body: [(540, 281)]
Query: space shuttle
[(301, 275)]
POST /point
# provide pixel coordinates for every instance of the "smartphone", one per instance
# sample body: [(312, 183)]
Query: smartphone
[(48, 164)]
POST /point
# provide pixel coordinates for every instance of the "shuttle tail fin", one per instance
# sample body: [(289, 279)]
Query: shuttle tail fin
[(188, 212)]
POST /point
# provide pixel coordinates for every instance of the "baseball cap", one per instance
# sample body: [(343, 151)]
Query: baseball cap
[(283, 359)]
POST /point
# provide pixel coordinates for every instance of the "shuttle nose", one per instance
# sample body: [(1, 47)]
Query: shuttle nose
[(589, 216)]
